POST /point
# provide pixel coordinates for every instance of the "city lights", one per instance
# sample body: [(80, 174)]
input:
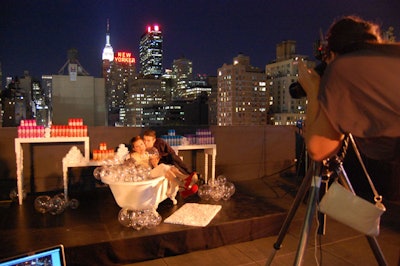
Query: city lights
[(153, 29)]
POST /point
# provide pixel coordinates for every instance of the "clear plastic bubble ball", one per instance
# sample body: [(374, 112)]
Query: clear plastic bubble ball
[(14, 194), (97, 173), (220, 180), (229, 190), (41, 204), (204, 192), (57, 204), (125, 217), (73, 204), (217, 193)]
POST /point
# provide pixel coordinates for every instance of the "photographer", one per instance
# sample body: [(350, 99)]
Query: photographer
[(359, 93)]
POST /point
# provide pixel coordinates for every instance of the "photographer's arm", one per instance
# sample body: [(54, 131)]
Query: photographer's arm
[(321, 138)]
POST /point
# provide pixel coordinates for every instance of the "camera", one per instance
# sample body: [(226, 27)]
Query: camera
[(320, 53), (297, 91)]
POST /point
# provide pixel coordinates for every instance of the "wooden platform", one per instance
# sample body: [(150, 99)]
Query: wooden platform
[(92, 234)]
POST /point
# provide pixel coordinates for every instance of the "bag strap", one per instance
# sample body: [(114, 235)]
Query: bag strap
[(377, 197)]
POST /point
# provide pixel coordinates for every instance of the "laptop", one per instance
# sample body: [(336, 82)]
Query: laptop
[(53, 256)]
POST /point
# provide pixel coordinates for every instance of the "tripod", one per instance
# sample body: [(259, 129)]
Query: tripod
[(313, 180)]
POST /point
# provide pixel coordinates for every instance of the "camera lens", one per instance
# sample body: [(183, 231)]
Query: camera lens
[(296, 91)]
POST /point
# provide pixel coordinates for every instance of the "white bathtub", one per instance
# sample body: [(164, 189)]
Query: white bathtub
[(140, 195)]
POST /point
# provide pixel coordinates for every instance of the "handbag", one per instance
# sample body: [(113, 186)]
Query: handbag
[(346, 207)]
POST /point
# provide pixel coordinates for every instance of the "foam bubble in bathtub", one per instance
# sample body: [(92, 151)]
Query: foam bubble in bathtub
[(139, 195)]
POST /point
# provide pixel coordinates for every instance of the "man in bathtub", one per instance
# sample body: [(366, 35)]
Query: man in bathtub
[(176, 178), (167, 154)]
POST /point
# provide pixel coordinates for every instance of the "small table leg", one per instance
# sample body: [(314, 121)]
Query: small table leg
[(214, 157), (206, 168), (65, 180), (19, 161)]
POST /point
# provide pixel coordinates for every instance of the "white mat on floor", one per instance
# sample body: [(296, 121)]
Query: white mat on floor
[(194, 214)]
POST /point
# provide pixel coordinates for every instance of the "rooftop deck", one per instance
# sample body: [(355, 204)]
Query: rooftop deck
[(258, 160)]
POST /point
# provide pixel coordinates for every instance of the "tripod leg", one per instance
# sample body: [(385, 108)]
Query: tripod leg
[(373, 243), (314, 194), (321, 216), (291, 213)]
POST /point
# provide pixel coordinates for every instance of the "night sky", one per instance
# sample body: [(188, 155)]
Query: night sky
[(35, 35)]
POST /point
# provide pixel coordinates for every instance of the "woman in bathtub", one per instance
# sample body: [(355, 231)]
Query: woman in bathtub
[(151, 158)]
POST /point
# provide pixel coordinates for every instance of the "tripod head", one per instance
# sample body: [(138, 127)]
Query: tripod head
[(334, 164)]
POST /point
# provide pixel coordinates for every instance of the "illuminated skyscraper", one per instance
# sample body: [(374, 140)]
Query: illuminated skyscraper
[(151, 52), (143, 93), (118, 68), (122, 71), (108, 52), (242, 94), (182, 69), (285, 110)]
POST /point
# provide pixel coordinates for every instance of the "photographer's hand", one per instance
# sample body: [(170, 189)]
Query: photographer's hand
[(321, 138), (309, 80)]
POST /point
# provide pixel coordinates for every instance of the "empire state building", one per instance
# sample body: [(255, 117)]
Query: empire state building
[(108, 52)]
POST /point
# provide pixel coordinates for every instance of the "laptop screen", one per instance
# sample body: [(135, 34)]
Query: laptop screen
[(53, 256)]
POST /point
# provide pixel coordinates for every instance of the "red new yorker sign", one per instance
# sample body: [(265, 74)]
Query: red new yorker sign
[(124, 58)]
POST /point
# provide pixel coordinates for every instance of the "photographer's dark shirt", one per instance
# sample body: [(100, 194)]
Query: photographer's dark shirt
[(360, 93)]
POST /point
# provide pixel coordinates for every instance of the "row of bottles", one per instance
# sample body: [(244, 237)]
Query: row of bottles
[(75, 128), (103, 153), (202, 137)]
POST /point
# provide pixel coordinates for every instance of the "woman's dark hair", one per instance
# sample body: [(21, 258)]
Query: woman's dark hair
[(136, 138), (352, 33)]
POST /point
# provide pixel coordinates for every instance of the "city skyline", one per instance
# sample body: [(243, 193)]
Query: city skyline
[(36, 35)]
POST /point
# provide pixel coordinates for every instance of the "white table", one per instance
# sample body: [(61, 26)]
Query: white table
[(19, 154), (209, 150)]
